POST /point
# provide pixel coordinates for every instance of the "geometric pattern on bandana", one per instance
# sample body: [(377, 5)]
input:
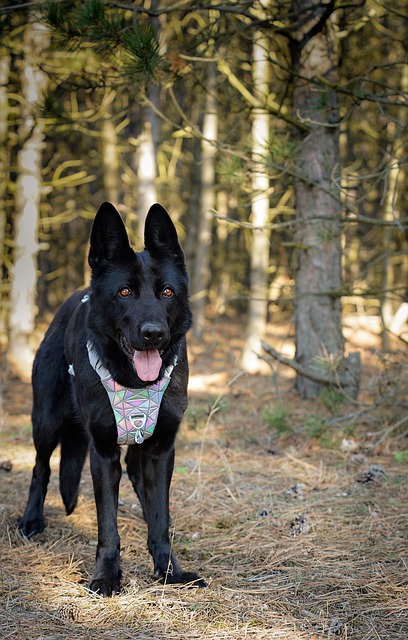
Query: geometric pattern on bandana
[(135, 410)]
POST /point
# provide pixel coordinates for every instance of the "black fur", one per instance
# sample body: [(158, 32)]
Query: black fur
[(75, 411)]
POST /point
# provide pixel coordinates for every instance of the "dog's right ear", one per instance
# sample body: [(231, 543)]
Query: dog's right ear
[(109, 240)]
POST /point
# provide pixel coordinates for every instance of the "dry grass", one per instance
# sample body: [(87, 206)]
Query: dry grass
[(277, 511)]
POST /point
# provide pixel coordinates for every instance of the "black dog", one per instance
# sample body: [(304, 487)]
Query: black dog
[(123, 342)]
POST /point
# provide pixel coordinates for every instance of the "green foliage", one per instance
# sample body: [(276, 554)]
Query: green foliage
[(5, 22), (100, 26), (89, 12), (277, 417), (232, 168), (221, 404), (141, 57), (196, 413), (280, 149), (315, 426), (331, 398), (53, 107), (57, 15), (182, 469), (401, 457), (131, 47)]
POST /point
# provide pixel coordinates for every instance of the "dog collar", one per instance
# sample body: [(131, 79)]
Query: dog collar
[(135, 410)]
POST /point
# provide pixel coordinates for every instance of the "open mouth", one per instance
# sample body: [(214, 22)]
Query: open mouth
[(146, 363)]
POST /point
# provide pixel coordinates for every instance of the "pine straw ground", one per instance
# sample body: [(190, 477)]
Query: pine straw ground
[(294, 511)]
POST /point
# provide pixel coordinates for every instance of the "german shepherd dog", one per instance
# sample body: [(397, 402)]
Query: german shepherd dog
[(123, 341)]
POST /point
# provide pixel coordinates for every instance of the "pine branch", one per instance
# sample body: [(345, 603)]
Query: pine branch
[(289, 362), (344, 374)]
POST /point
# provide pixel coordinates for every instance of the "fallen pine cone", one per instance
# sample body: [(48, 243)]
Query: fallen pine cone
[(69, 611), (374, 473), (299, 526)]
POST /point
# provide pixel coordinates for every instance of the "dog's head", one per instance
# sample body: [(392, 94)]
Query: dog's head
[(139, 301)]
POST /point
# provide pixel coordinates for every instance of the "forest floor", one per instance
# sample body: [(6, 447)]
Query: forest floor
[(296, 512)]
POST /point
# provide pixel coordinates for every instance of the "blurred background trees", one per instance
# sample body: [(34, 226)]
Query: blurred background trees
[(164, 101)]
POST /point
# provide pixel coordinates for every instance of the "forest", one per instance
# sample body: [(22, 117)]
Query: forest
[(275, 134)]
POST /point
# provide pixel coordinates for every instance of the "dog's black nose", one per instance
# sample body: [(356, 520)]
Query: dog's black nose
[(152, 333)]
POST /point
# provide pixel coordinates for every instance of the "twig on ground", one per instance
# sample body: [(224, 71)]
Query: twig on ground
[(390, 429)]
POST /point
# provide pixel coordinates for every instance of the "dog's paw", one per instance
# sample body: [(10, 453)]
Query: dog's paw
[(187, 578), (105, 587), (28, 528)]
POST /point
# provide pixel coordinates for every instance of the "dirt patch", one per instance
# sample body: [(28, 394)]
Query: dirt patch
[(295, 511)]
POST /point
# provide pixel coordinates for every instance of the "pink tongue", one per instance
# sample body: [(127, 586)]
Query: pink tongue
[(147, 364)]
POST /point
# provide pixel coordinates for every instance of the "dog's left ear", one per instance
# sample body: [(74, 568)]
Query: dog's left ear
[(160, 234)]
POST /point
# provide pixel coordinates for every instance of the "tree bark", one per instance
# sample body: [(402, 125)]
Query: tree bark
[(258, 302), (111, 171), (24, 271), (318, 282), (146, 169), (149, 143), (394, 183), (201, 274), (4, 178)]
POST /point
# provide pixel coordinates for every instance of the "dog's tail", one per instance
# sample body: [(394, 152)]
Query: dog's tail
[(74, 447)]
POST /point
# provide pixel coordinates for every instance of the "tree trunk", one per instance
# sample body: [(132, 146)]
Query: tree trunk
[(24, 270), (258, 303), (146, 170), (394, 183), (318, 283), (111, 172), (144, 134), (149, 142), (4, 178), (201, 274)]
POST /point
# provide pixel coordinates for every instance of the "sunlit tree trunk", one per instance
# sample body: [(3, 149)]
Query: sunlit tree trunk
[(4, 176), (146, 170), (149, 142), (318, 283), (111, 172), (24, 271), (391, 213), (201, 274), (258, 303)]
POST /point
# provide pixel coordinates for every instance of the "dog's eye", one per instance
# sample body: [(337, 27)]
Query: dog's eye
[(167, 292), (125, 292)]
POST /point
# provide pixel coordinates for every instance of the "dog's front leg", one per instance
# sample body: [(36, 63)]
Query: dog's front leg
[(157, 471), (106, 473)]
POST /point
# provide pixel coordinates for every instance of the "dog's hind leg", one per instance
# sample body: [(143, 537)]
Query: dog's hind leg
[(51, 407), (48, 421), (134, 471), (74, 447), (32, 521)]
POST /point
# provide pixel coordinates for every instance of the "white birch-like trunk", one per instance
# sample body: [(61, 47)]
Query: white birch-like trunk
[(24, 272), (201, 275), (258, 303), (146, 174), (4, 77), (4, 174), (149, 138), (111, 179), (394, 183)]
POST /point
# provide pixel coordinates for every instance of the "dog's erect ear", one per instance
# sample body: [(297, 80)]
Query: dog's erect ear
[(109, 240), (160, 233)]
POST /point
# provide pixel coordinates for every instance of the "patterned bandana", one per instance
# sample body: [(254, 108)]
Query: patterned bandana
[(135, 410)]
